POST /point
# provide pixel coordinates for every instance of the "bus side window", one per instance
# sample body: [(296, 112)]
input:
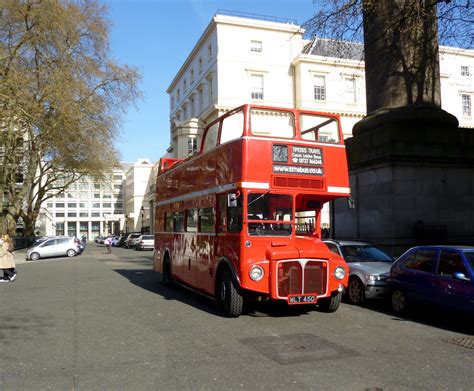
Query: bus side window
[(221, 212), (206, 220), (234, 214), (232, 127), (179, 221), (191, 220), (211, 137), (168, 222)]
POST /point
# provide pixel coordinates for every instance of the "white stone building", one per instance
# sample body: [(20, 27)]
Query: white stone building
[(240, 60), (138, 178)]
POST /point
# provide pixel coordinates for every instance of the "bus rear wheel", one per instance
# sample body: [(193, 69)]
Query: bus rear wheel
[(228, 296)]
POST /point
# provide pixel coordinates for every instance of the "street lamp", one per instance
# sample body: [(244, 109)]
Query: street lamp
[(143, 214)]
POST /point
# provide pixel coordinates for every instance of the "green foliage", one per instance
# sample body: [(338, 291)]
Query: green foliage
[(61, 98)]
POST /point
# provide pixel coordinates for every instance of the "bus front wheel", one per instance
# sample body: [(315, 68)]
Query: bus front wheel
[(228, 296)]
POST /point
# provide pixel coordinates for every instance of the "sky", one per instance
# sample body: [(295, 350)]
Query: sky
[(156, 37)]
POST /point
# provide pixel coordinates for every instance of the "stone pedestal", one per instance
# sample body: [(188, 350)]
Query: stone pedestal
[(412, 179)]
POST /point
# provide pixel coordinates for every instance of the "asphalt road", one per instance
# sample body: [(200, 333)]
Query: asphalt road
[(104, 322)]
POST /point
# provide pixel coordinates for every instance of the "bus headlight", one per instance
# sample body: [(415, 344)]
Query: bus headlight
[(256, 273), (339, 273)]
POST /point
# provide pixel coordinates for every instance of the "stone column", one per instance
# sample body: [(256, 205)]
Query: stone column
[(408, 160)]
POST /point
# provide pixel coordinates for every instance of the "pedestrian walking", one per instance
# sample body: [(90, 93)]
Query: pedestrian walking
[(7, 263), (108, 243)]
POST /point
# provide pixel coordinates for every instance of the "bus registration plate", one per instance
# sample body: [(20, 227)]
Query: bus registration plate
[(302, 299)]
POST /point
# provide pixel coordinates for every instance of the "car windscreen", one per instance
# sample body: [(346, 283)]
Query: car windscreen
[(364, 253), (147, 237)]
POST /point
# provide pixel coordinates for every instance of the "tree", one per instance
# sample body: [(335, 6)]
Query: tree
[(61, 98), (400, 43)]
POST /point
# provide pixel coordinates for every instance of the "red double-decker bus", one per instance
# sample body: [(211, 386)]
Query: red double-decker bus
[(240, 219)]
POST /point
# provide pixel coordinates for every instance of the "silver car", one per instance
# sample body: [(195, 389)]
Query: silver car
[(58, 246), (145, 242), (369, 267)]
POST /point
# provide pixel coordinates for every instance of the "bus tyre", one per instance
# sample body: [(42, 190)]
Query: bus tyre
[(166, 274), (227, 295), (330, 304)]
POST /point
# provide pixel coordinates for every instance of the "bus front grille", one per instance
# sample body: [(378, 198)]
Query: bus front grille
[(296, 277)]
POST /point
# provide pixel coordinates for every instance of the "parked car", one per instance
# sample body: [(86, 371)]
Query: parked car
[(121, 242), (369, 267), (442, 276), (98, 239), (132, 240), (57, 246), (145, 242), (115, 240)]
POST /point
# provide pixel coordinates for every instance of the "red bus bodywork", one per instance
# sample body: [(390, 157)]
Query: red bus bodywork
[(241, 218)]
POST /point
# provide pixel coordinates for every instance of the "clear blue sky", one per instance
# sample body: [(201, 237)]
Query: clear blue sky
[(156, 36)]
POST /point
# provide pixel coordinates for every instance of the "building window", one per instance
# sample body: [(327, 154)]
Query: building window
[(72, 214), (319, 87), (118, 187), (95, 214), (191, 106), (200, 64), (59, 204), (256, 46), (83, 214), (209, 52), (201, 99), (465, 70), (185, 111), (97, 195), (59, 214), (209, 89), (192, 145), (350, 90), (192, 76), (96, 186), (178, 95), (466, 105), (72, 205), (185, 85), (256, 87), (59, 228), (96, 205), (172, 102), (117, 177), (107, 205)]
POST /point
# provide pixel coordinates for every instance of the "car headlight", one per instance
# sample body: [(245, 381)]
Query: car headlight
[(339, 272), (376, 277), (256, 273)]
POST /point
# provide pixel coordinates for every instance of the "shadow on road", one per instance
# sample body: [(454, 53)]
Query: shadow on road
[(427, 315), (151, 281)]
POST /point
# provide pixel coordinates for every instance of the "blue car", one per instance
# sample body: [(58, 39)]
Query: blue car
[(437, 275)]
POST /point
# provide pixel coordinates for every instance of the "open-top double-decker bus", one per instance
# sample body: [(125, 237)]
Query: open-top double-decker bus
[(240, 219)]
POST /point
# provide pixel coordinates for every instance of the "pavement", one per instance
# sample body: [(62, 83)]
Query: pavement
[(20, 256)]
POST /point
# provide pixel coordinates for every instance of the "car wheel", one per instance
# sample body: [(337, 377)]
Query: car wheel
[(34, 256), (71, 253), (166, 274), (399, 301), (355, 291), (230, 300), (330, 304)]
